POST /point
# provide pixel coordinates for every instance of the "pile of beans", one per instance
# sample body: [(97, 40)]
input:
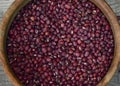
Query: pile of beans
[(60, 43)]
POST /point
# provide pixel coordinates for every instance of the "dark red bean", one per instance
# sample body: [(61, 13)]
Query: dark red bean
[(60, 43)]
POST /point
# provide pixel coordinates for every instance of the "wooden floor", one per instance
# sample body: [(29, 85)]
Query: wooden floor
[(4, 4)]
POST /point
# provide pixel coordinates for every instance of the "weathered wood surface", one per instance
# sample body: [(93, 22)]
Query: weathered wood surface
[(4, 4)]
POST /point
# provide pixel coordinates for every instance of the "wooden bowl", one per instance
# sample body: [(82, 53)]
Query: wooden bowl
[(18, 4)]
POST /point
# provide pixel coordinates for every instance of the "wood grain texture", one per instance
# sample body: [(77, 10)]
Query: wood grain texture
[(4, 4), (117, 48)]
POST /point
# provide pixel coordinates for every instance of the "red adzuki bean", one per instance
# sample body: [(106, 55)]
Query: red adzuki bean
[(60, 43)]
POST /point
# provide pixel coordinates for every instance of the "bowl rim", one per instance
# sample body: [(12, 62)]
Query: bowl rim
[(6, 21), (101, 4), (111, 17)]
